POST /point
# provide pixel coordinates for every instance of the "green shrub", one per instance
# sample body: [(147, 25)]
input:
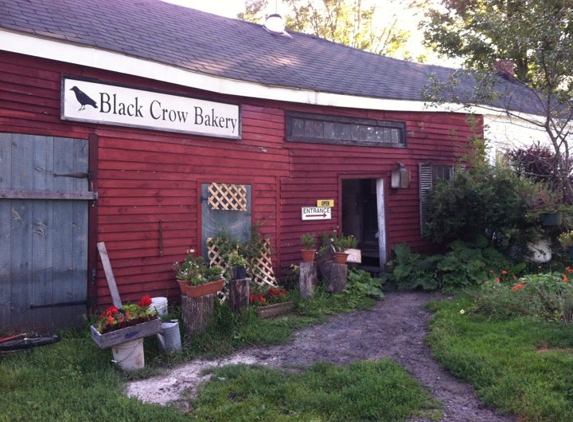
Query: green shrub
[(488, 201)]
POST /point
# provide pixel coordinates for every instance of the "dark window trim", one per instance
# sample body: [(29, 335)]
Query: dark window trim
[(387, 124)]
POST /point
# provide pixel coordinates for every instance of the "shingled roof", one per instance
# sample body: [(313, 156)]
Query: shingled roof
[(208, 44)]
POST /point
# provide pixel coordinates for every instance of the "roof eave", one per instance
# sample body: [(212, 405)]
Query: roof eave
[(89, 56)]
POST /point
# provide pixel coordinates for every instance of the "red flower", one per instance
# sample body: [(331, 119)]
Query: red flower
[(518, 286), (504, 272), (145, 301)]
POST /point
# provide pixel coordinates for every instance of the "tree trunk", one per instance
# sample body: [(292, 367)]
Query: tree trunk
[(307, 279), (198, 312), (239, 294), (338, 274)]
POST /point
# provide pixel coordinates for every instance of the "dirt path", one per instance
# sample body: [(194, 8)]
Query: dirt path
[(395, 328)]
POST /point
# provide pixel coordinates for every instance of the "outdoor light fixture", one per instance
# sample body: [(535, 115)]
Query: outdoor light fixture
[(400, 177)]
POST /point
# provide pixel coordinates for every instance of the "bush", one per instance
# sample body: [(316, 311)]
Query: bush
[(492, 202)]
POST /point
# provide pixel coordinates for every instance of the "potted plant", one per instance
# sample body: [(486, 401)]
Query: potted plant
[(123, 330), (197, 279), (275, 301), (308, 240), (342, 244), (237, 264)]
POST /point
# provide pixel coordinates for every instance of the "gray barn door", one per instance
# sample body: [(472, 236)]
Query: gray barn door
[(44, 198)]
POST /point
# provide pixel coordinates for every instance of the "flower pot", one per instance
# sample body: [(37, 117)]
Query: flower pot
[(238, 273), (540, 251), (126, 334), (551, 218), (308, 255), (201, 290), (340, 257), (278, 309)]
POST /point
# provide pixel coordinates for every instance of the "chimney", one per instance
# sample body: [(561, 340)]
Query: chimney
[(505, 68)]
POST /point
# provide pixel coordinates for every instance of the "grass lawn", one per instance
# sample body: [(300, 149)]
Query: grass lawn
[(75, 381), (519, 365)]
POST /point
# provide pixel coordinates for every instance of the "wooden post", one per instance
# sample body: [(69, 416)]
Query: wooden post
[(239, 293), (338, 274), (307, 279), (198, 312)]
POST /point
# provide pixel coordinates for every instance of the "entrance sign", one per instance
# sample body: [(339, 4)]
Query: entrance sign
[(115, 105), (316, 213)]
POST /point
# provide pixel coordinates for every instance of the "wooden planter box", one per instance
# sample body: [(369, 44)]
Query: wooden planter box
[(122, 335), (201, 290), (278, 309)]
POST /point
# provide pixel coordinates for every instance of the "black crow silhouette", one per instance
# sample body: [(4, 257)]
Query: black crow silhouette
[(83, 98)]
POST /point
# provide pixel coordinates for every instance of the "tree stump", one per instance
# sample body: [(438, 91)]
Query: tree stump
[(239, 293), (198, 312), (307, 279), (338, 274)]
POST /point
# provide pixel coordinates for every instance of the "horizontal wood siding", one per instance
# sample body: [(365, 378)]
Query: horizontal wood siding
[(317, 169), (145, 177)]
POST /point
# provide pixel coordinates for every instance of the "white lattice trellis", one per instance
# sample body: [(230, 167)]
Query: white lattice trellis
[(260, 269), (215, 258), (227, 197)]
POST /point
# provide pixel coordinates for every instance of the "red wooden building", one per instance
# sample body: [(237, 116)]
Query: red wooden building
[(116, 119)]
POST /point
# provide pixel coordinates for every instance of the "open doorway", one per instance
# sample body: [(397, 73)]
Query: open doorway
[(363, 217)]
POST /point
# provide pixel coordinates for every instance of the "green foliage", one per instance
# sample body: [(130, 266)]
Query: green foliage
[(308, 240), (361, 283), (545, 295), (520, 366), (194, 271), (410, 271), (465, 264), (362, 391), (535, 38), (490, 202)]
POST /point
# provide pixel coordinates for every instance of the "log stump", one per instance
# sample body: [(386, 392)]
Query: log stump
[(338, 275), (308, 278), (239, 291), (198, 312)]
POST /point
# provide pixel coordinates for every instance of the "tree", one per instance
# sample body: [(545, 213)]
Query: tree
[(350, 22), (534, 36)]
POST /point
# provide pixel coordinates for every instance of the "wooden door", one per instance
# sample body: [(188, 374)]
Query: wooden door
[(44, 199)]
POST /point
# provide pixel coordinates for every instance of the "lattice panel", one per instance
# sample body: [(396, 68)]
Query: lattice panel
[(225, 197), (261, 269), (215, 258)]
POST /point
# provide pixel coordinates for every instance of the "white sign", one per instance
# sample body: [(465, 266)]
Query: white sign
[(315, 213), (109, 104)]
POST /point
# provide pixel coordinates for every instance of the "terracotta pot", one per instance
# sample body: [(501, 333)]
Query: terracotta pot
[(308, 255), (201, 290), (340, 257)]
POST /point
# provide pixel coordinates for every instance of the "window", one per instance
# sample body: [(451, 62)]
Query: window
[(305, 127), (429, 174)]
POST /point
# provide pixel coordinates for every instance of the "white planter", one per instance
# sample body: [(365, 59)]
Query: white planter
[(540, 251)]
